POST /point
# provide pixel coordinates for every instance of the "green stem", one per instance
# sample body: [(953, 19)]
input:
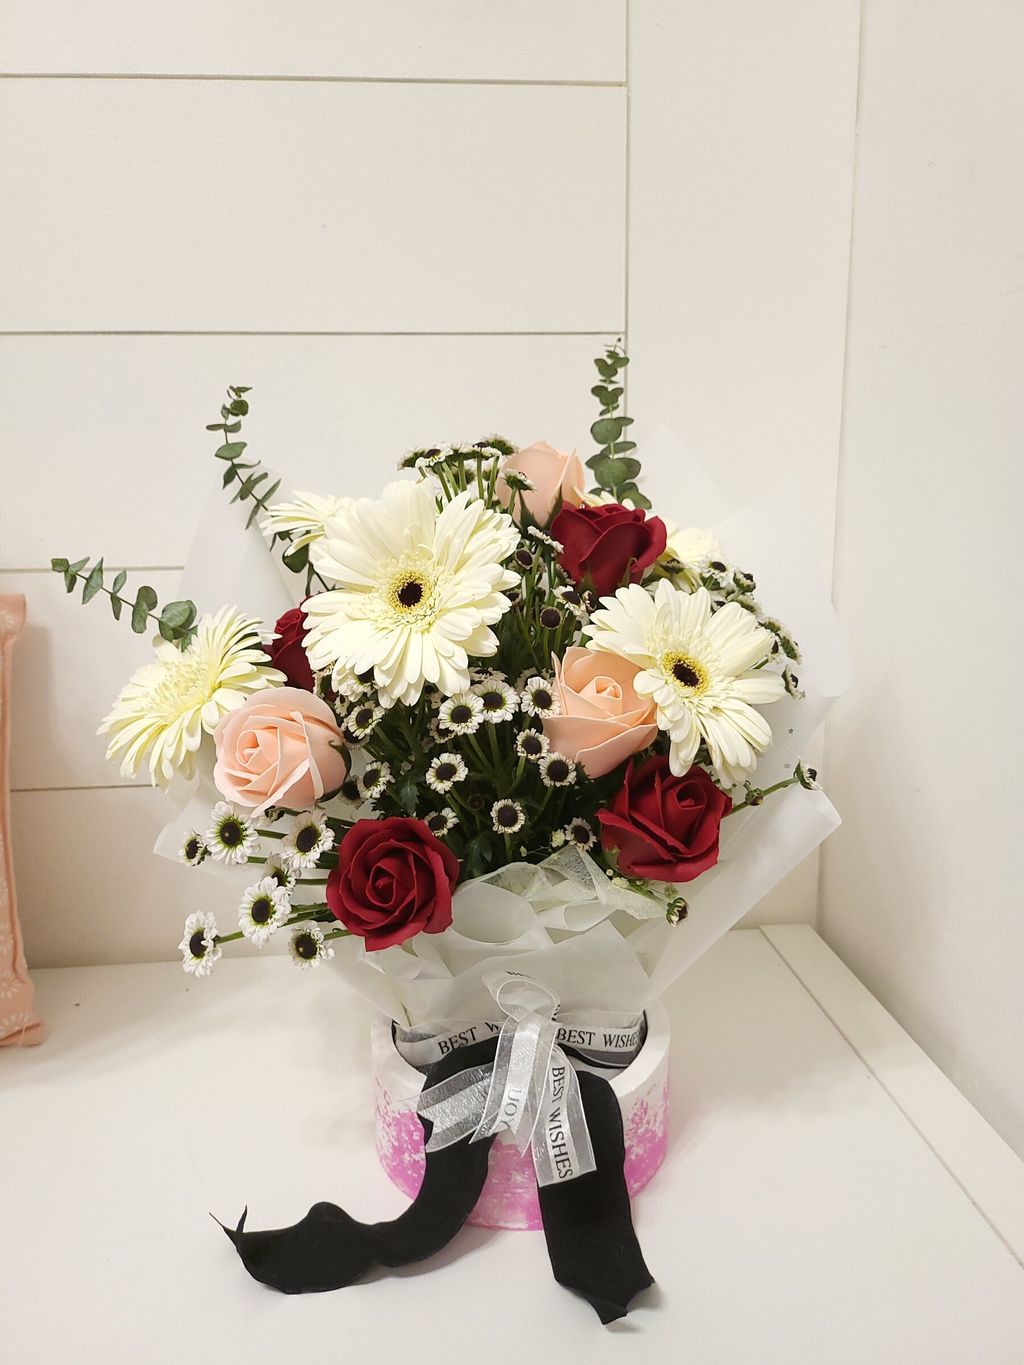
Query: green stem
[(767, 791)]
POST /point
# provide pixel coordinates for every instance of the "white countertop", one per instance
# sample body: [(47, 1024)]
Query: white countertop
[(828, 1197)]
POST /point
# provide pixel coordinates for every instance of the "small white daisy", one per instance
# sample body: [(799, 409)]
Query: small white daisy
[(348, 684), (264, 908), (558, 839), (538, 698), (807, 777), (500, 701), (193, 848), (435, 732), (557, 771), (231, 837), (573, 599), (515, 478), (307, 946), (309, 836), (545, 539), (532, 744), (276, 868), (199, 947), (577, 833), (445, 770), (507, 817), (362, 720), (461, 714), (441, 821), (373, 780)]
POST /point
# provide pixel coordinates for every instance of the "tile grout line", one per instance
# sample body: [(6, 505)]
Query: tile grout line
[(892, 1098), (627, 207), (309, 80), (186, 332), (823, 856), (90, 787)]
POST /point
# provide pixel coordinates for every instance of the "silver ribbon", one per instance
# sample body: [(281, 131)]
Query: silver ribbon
[(531, 1090)]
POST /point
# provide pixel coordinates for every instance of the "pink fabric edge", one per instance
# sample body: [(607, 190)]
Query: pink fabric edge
[(19, 1024)]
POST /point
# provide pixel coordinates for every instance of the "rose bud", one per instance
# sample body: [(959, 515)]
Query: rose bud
[(603, 544), (665, 828), (553, 474), (603, 720)]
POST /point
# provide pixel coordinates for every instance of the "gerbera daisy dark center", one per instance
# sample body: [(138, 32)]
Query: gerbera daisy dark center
[(685, 673), (410, 593)]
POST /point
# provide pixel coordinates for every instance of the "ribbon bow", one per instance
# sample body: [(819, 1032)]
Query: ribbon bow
[(531, 1090)]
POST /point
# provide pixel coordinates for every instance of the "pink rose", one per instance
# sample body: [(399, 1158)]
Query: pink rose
[(278, 749), (552, 472), (603, 720)]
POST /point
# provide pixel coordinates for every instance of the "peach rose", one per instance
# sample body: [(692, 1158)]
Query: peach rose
[(603, 720), (552, 472), (278, 749)]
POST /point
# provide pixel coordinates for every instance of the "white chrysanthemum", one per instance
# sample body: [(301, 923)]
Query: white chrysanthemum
[(417, 589), (507, 817), (461, 714), (199, 947), (699, 667), (309, 836), (441, 821), (538, 698), (231, 837), (166, 706), (688, 551), (276, 868), (373, 780), (307, 946), (444, 771), (265, 907), (303, 519), (193, 849), (500, 701)]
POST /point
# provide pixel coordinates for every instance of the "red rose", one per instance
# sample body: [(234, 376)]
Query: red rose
[(288, 652), (665, 827), (393, 880), (602, 543)]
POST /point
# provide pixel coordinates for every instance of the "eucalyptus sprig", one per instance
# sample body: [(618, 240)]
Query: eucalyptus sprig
[(615, 469), (175, 621)]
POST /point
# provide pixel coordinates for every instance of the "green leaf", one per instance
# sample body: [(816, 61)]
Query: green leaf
[(408, 794), (119, 580), (239, 389), (59, 565), (93, 583), (607, 397), (630, 490), (632, 468), (215, 426), (70, 579), (610, 472), (229, 474), (477, 856), (230, 450), (116, 603), (606, 369), (620, 447), (233, 426), (607, 429), (261, 503), (178, 616), (239, 407), (145, 601), (296, 560)]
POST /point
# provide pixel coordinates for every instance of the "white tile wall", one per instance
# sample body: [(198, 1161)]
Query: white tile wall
[(534, 40), (417, 231)]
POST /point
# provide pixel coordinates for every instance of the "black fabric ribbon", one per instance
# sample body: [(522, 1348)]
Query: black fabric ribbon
[(588, 1224)]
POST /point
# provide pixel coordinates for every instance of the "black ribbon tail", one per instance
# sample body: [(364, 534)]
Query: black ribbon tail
[(329, 1249), (588, 1223)]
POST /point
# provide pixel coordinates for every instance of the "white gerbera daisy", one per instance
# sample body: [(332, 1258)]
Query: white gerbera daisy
[(417, 589), (500, 701), (462, 714), (231, 838), (309, 836), (264, 908), (199, 947), (303, 519), (307, 946), (507, 817), (444, 771), (688, 552), (701, 669), (539, 698), (166, 706), (193, 848)]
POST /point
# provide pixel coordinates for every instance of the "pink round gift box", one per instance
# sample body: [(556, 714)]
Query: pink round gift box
[(509, 1198)]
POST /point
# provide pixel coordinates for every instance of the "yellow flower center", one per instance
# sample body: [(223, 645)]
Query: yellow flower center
[(409, 593), (688, 674)]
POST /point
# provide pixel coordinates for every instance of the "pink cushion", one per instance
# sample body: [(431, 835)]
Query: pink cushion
[(18, 1022)]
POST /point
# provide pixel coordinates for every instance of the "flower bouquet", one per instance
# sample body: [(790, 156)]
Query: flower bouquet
[(496, 747)]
